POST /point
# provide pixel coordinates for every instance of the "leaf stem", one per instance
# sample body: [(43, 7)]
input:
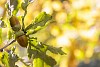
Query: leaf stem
[(23, 25)]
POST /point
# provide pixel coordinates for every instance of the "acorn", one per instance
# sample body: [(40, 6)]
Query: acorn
[(21, 38), (14, 22), (20, 35)]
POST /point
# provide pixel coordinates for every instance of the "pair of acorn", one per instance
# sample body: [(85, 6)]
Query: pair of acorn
[(19, 35)]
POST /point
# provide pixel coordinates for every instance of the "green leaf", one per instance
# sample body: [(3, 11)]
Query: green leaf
[(52, 49), (2, 23), (12, 6), (4, 59), (38, 62), (14, 3), (39, 21), (36, 50), (9, 59), (25, 4), (39, 54), (9, 34), (47, 59), (55, 50), (13, 58)]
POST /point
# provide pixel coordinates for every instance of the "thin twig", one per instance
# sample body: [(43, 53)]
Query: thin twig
[(23, 26), (1, 49)]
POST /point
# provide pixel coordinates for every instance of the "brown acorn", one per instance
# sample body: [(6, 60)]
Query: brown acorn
[(22, 40), (14, 22)]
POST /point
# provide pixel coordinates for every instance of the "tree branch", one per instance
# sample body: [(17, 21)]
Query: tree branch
[(1, 49)]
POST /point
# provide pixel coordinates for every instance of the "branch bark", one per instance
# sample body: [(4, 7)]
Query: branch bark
[(1, 49)]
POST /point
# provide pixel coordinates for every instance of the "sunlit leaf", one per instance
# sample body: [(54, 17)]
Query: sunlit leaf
[(55, 50), (47, 59), (4, 59), (39, 54), (9, 34), (40, 21), (38, 62), (36, 50)]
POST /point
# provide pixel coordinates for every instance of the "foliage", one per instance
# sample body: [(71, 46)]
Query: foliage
[(76, 28), (38, 23), (35, 49), (38, 50), (9, 59)]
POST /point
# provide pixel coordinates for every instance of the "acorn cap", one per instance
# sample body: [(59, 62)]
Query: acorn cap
[(16, 27), (19, 33)]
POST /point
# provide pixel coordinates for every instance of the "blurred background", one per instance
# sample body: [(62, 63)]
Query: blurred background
[(76, 28)]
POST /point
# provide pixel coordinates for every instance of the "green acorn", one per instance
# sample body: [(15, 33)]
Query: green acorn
[(14, 22)]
